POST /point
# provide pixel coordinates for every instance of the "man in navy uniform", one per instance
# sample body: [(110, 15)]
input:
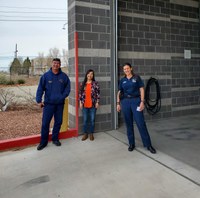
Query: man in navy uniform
[(55, 86)]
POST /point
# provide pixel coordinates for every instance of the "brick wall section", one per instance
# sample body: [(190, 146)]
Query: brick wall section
[(91, 19), (152, 36), (71, 30)]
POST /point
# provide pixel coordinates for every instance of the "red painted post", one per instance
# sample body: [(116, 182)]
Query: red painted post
[(76, 78)]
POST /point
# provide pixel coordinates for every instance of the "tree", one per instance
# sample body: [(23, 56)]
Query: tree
[(6, 97), (43, 63), (26, 66), (65, 57), (15, 67), (54, 52), (20, 60), (39, 64)]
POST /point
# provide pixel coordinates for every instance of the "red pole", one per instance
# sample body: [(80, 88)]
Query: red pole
[(76, 79)]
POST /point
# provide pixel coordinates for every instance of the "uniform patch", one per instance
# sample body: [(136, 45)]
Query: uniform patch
[(133, 80), (50, 81), (61, 80)]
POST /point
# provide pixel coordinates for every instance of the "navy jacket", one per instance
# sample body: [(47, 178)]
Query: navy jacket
[(56, 88)]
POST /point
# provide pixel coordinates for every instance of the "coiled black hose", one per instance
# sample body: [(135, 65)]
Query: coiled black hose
[(153, 99)]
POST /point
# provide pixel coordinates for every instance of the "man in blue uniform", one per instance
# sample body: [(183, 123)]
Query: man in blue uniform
[(55, 86)]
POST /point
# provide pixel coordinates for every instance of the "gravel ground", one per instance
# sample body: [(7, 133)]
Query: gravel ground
[(15, 123), (20, 123)]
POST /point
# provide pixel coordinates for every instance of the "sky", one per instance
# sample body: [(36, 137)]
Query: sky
[(32, 37)]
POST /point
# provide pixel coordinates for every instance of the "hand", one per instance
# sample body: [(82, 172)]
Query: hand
[(41, 104), (142, 106), (81, 105), (118, 108), (96, 105)]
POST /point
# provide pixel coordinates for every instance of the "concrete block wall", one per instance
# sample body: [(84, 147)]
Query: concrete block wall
[(152, 35), (91, 19)]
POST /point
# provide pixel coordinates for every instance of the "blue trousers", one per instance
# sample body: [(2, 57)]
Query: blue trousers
[(88, 119), (49, 111), (129, 109)]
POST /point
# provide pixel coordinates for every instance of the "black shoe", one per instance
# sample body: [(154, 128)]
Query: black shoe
[(57, 143), (131, 147), (41, 146), (151, 149)]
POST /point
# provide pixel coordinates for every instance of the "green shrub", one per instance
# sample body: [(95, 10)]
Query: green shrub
[(3, 80), (21, 81), (10, 82)]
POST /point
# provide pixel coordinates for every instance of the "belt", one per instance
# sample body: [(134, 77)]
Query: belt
[(129, 96)]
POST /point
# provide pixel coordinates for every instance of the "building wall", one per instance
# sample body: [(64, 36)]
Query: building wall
[(91, 19), (152, 35)]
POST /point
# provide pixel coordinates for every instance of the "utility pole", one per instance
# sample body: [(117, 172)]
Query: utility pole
[(16, 51), (15, 55)]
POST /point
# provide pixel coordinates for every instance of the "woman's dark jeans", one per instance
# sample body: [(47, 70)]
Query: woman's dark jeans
[(88, 119)]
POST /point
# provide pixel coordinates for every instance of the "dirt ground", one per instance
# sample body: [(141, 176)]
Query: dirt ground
[(21, 122), (18, 122)]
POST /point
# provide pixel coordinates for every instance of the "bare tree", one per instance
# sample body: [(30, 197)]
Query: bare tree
[(43, 63), (28, 99), (54, 52), (65, 57), (49, 61), (40, 63), (6, 97)]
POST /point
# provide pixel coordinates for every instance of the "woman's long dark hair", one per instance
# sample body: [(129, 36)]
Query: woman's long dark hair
[(85, 79)]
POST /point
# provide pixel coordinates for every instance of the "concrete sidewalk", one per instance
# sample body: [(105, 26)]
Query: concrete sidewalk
[(99, 169), (178, 137)]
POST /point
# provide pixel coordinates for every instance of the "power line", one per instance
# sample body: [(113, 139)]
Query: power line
[(32, 8), (5, 53), (33, 12), (28, 20), (33, 17)]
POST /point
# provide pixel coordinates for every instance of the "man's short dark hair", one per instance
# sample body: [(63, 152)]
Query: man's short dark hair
[(56, 59)]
